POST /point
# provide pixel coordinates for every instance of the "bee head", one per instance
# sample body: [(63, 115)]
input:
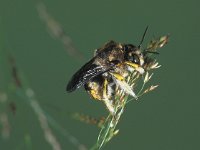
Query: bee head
[(133, 54)]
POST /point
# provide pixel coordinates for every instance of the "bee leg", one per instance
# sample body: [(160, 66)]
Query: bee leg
[(106, 98), (93, 90), (135, 67), (120, 81)]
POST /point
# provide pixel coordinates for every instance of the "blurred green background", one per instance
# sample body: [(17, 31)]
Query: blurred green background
[(165, 119)]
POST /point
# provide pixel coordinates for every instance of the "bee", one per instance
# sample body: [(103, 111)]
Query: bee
[(107, 70)]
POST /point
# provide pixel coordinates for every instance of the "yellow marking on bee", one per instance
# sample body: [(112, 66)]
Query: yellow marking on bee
[(105, 84), (117, 76), (95, 95), (119, 65), (106, 100), (135, 66)]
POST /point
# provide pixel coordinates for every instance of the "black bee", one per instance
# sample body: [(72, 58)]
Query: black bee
[(107, 71)]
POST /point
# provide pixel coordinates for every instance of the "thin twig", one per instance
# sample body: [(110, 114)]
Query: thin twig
[(56, 31)]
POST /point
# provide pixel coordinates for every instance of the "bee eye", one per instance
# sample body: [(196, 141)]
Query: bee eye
[(134, 58)]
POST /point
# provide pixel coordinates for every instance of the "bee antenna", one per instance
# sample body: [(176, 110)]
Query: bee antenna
[(143, 36)]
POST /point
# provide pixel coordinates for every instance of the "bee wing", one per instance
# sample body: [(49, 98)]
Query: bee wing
[(85, 74)]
